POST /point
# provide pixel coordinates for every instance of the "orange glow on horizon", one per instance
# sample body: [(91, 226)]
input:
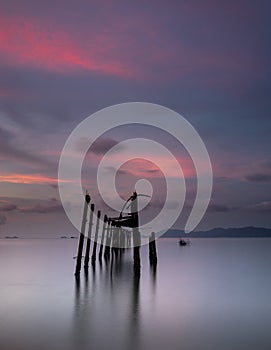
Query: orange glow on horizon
[(29, 179)]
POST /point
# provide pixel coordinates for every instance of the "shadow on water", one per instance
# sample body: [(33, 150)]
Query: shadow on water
[(107, 310)]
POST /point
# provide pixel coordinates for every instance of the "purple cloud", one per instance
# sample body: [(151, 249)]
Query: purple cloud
[(218, 208), (11, 151), (258, 177), (51, 206), (100, 146), (262, 207), (3, 219), (5, 206)]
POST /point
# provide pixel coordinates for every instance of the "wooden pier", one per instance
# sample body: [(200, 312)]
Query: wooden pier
[(114, 234)]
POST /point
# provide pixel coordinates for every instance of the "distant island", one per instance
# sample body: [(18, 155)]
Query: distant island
[(249, 231), (234, 232)]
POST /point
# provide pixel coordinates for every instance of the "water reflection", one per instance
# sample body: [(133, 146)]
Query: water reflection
[(214, 295), (107, 310), (133, 341)]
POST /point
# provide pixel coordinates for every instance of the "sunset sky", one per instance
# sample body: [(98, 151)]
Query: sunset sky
[(62, 60)]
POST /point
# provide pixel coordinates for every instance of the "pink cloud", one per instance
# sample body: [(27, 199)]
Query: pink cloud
[(31, 43), (141, 48)]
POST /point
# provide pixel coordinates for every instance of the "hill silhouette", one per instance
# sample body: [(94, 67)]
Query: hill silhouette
[(249, 231)]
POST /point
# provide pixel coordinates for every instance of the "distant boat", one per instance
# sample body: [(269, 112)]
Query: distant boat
[(183, 242)]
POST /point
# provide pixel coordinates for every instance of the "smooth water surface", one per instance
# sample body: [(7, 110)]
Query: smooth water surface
[(213, 294)]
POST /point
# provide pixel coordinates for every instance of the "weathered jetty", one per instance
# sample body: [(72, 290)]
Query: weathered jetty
[(113, 234)]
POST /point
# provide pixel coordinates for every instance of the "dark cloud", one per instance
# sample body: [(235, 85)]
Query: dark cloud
[(100, 146), (159, 204), (258, 177), (30, 205), (5, 206), (262, 207), (113, 170), (51, 206), (123, 172), (3, 219), (134, 171), (11, 151), (267, 164), (54, 186), (218, 208), (103, 145), (152, 171)]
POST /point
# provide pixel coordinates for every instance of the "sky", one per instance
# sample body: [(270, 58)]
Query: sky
[(61, 61)]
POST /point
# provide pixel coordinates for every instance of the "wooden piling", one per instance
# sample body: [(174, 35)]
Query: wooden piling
[(136, 233), (89, 236), (103, 237), (82, 236), (112, 237), (93, 258), (118, 243), (108, 240)]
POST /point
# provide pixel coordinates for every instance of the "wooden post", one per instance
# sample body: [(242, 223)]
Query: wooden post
[(102, 239), (89, 236), (112, 237), (93, 258), (107, 247), (82, 236), (119, 239), (152, 250), (136, 233)]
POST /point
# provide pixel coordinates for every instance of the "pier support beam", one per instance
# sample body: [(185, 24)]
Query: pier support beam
[(136, 233), (82, 236), (93, 258), (89, 236), (103, 237), (108, 240)]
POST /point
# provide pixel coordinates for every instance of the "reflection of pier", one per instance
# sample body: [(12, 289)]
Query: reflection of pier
[(112, 234), (108, 306)]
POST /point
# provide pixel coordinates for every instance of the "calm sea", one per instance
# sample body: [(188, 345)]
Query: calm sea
[(213, 294)]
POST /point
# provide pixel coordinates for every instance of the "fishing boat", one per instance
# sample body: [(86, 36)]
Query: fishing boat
[(183, 242)]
